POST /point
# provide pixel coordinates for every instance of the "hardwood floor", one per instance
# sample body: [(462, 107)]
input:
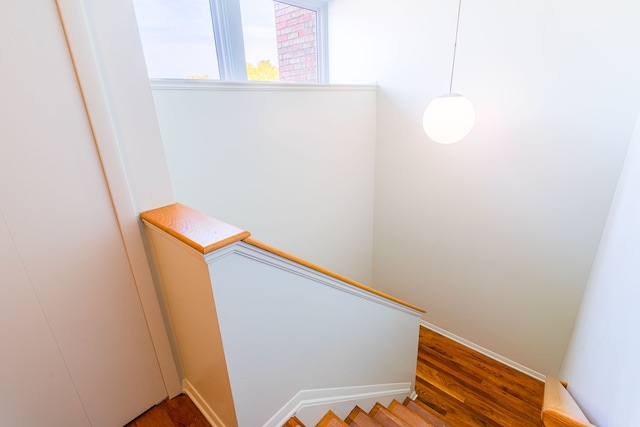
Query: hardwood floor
[(177, 412), (467, 388), (462, 387)]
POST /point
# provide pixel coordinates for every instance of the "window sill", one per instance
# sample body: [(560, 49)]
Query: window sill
[(219, 85)]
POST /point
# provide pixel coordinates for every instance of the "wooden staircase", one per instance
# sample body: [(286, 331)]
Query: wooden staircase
[(411, 413), (456, 386)]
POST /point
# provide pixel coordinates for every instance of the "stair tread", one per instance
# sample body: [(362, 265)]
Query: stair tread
[(425, 413), (364, 420), (359, 418), (385, 417), (331, 420), (407, 415), (293, 422)]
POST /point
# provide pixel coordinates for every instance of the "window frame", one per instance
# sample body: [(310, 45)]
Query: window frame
[(226, 19), (227, 32)]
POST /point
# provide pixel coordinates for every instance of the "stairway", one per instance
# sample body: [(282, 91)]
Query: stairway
[(411, 413), (456, 386)]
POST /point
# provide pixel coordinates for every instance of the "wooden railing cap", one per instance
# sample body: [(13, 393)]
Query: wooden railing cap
[(207, 234), (200, 231)]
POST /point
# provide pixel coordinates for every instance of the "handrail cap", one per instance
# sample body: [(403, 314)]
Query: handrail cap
[(198, 230)]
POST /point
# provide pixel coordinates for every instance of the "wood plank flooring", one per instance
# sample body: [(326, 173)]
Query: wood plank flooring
[(177, 412), (462, 387), (467, 388)]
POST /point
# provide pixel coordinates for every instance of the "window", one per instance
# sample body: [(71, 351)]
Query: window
[(234, 39), (177, 38)]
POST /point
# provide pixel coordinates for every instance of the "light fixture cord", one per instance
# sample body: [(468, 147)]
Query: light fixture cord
[(455, 46)]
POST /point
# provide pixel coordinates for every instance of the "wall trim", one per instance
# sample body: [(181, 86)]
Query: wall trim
[(199, 401), (265, 257), (484, 351), (328, 396), (221, 85)]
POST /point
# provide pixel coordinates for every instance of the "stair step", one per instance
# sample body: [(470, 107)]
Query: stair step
[(293, 422), (386, 418), (331, 420), (359, 418), (407, 415), (424, 412)]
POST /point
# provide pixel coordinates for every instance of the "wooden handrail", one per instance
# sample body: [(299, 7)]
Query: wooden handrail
[(207, 234), (253, 242), (200, 231), (559, 409)]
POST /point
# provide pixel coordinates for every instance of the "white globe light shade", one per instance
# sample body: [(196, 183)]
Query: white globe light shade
[(448, 118)]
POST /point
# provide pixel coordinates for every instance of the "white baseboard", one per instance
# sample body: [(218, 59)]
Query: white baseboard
[(310, 405), (204, 407), (482, 350)]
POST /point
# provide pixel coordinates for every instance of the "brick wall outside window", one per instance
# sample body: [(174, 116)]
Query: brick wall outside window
[(296, 39)]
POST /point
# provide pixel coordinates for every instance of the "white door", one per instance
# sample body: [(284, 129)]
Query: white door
[(74, 346)]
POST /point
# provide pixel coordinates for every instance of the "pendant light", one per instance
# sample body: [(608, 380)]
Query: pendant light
[(449, 117)]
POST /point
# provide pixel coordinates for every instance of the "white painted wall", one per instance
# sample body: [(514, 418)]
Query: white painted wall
[(293, 165), (602, 362), (33, 367), (194, 323), (286, 328), (495, 235), (109, 63), (75, 345), (262, 338), (109, 60)]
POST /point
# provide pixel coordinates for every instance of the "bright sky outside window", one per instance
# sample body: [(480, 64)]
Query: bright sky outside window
[(177, 38), (259, 33)]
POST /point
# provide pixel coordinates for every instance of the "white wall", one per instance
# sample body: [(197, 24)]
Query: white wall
[(311, 331), (109, 63), (33, 368), (75, 345), (194, 323), (294, 166), (107, 53), (495, 235), (602, 362)]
